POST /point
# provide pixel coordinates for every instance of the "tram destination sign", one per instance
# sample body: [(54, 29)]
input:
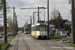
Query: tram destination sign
[(42, 24)]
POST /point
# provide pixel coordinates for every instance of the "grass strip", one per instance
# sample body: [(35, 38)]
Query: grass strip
[(55, 39), (65, 40), (11, 37), (70, 44), (4, 46)]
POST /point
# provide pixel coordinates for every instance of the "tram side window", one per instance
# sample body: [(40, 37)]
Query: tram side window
[(32, 28), (37, 28)]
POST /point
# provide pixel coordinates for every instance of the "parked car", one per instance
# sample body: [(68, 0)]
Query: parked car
[(68, 33), (1, 36), (2, 33), (63, 33), (9, 34)]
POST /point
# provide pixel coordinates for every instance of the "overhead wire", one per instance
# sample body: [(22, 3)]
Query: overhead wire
[(44, 10), (20, 7), (31, 6)]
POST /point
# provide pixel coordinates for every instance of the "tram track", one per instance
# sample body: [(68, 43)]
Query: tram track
[(24, 42), (16, 45), (27, 47)]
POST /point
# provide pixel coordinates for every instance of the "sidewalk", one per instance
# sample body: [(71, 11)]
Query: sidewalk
[(12, 43)]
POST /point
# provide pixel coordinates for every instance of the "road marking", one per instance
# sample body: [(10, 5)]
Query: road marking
[(12, 41)]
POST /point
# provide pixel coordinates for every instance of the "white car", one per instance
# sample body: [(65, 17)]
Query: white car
[(2, 33), (63, 34), (1, 36)]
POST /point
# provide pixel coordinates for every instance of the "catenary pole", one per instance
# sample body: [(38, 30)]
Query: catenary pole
[(73, 21), (48, 19), (33, 19), (38, 13), (13, 21), (5, 21)]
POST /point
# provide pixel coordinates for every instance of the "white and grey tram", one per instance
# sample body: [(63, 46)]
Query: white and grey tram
[(26, 30), (39, 30)]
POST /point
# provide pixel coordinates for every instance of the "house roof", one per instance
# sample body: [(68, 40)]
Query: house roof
[(69, 22)]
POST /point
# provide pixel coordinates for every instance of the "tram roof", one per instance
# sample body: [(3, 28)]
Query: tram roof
[(37, 24)]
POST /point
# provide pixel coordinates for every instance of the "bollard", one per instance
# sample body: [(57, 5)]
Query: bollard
[(0, 46)]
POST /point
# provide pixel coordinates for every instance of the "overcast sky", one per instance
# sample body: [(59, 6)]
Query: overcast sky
[(24, 15)]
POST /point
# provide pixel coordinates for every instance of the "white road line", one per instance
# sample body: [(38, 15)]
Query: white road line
[(12, 41)]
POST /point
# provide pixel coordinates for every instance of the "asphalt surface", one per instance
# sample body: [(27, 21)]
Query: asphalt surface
[(37, 44)]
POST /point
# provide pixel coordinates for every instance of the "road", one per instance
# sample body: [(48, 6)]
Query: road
[(24, 41)]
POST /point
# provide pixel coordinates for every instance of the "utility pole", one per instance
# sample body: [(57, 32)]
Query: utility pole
[(44, 14), (38, 13), (30, 23), (35, 8), (59, 20), (16, 23), (48, 19), (38, 16), (5, 22), (33, 19), (73, 21), (14, 19), (30, 19)]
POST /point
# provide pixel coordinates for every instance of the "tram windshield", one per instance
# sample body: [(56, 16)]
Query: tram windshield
[(40, 28), (26, 29)]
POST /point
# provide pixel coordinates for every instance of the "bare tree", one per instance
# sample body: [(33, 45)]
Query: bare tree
[(55, 13), (10, 23), (7, 7), (69, 1)]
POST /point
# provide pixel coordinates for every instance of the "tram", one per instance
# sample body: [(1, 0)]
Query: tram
[(39, 30), (26, 30)]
